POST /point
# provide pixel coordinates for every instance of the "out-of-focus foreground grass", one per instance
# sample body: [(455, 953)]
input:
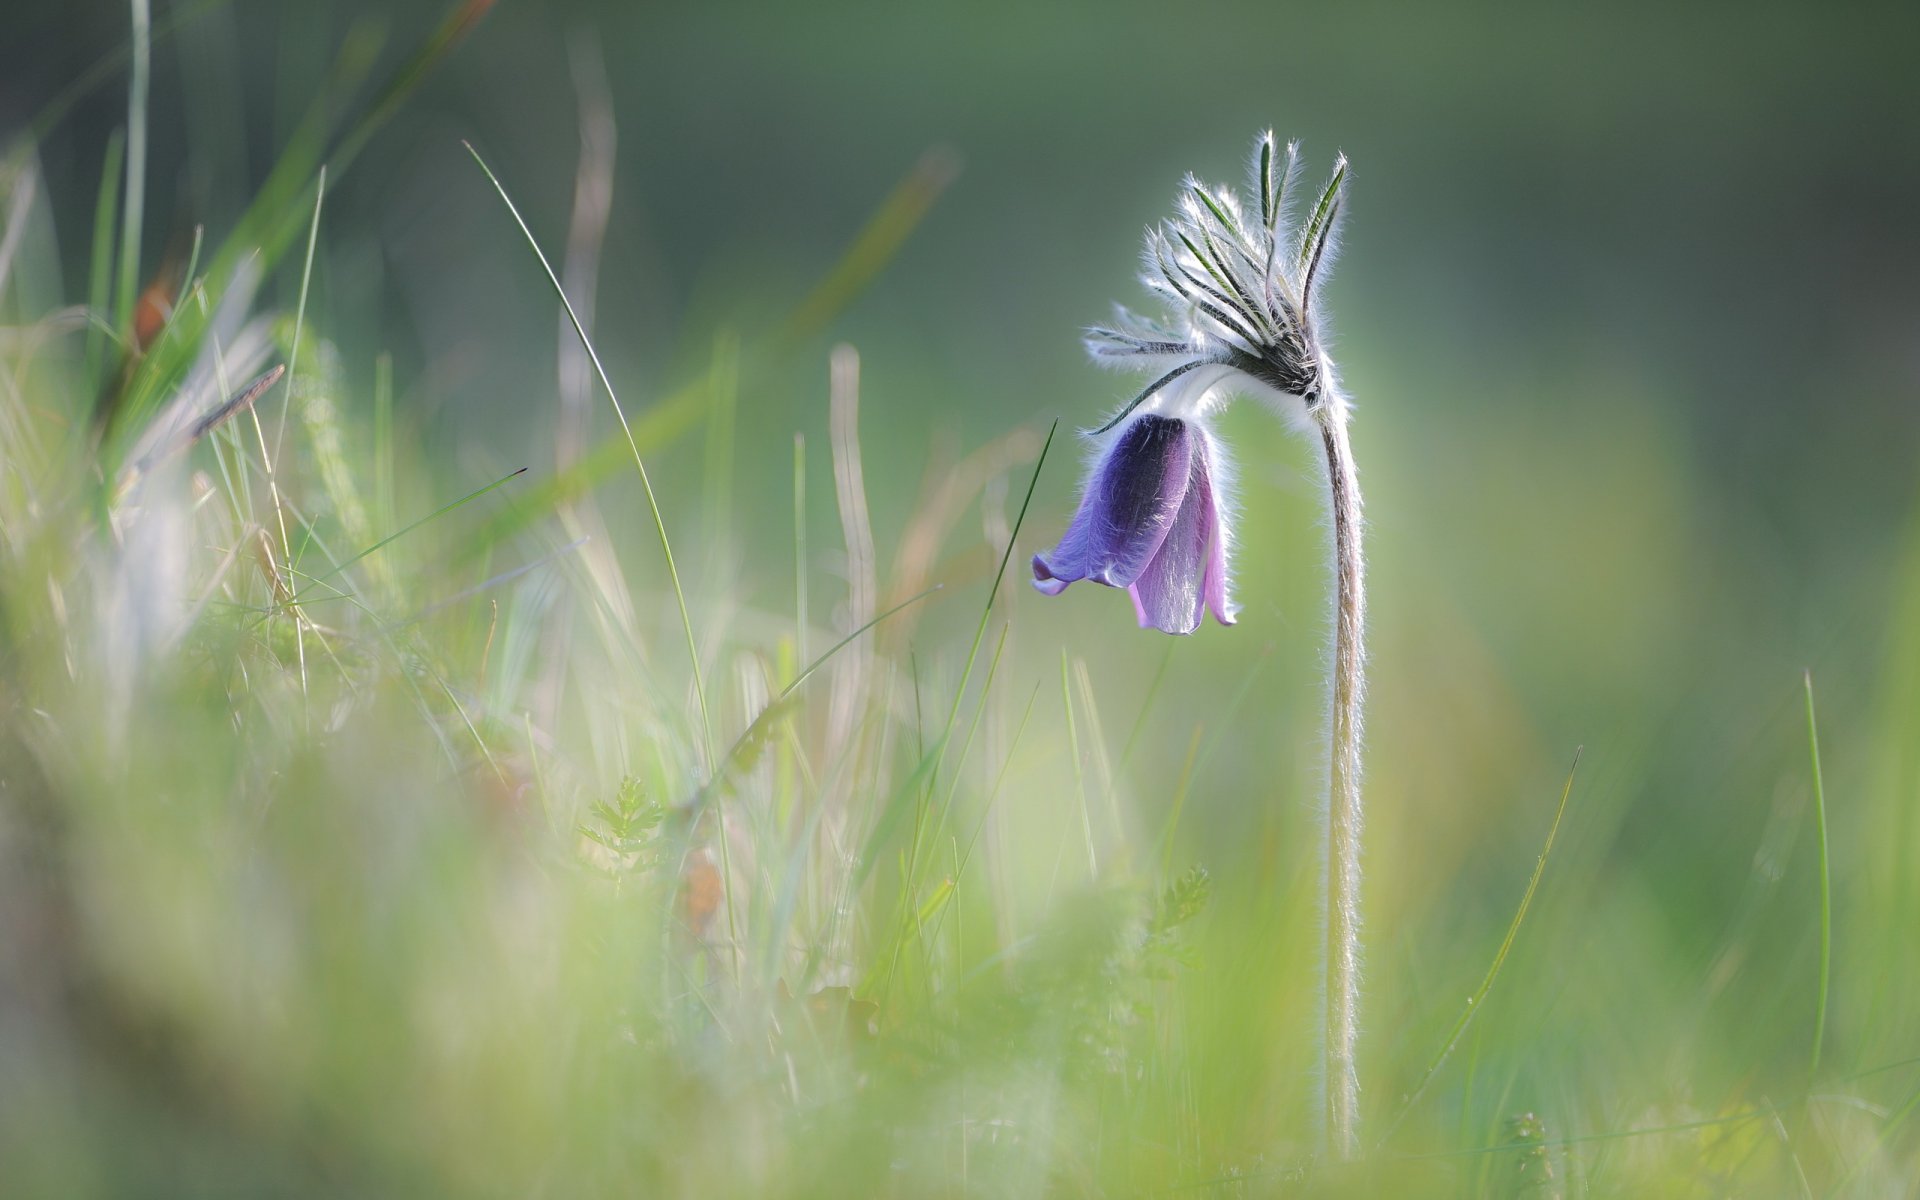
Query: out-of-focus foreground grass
[(371, 821)]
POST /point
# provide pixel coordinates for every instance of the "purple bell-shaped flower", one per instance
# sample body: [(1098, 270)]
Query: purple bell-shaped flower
[(1150, 522)]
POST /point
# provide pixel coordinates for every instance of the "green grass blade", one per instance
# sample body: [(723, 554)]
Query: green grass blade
[(667, 420), (134, 211), (1826, 883), (660, 426), (300, 308), (395, 536), (1476, 1001), (646, 483)]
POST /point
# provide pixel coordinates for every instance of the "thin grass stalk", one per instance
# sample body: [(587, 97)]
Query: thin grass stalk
[(633, 447), (1344, 815), (853, 686), (134, 211), (1476, 1001), (1826, 886)]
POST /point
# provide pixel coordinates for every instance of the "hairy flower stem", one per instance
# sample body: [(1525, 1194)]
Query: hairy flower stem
[(1348, 685)]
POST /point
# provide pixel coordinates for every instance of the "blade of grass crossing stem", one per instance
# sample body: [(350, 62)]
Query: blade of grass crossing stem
[(1475, 1001), (1826, 883), (436, 514), (133, 213), (646, 483)]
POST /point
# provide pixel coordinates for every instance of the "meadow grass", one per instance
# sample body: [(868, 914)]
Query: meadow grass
[(372, 825)]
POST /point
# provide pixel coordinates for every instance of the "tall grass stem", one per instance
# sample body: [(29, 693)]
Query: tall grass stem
[(1476, 1001), (134, 212), (646, 482), (1826, 884)]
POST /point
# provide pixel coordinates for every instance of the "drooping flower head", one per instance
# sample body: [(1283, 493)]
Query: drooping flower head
[(1150, 522), (1237, 283)]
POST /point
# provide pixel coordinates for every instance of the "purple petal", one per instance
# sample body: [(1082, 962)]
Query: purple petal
[(1166, 596), (1214, 584), (1130, 504), (1189, 574)]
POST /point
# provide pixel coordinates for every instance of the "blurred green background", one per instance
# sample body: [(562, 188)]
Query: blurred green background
[(1627, 303)]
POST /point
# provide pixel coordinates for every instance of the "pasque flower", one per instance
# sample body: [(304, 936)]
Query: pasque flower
[(1237, 285), (1238, 297), (1150, 522)]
